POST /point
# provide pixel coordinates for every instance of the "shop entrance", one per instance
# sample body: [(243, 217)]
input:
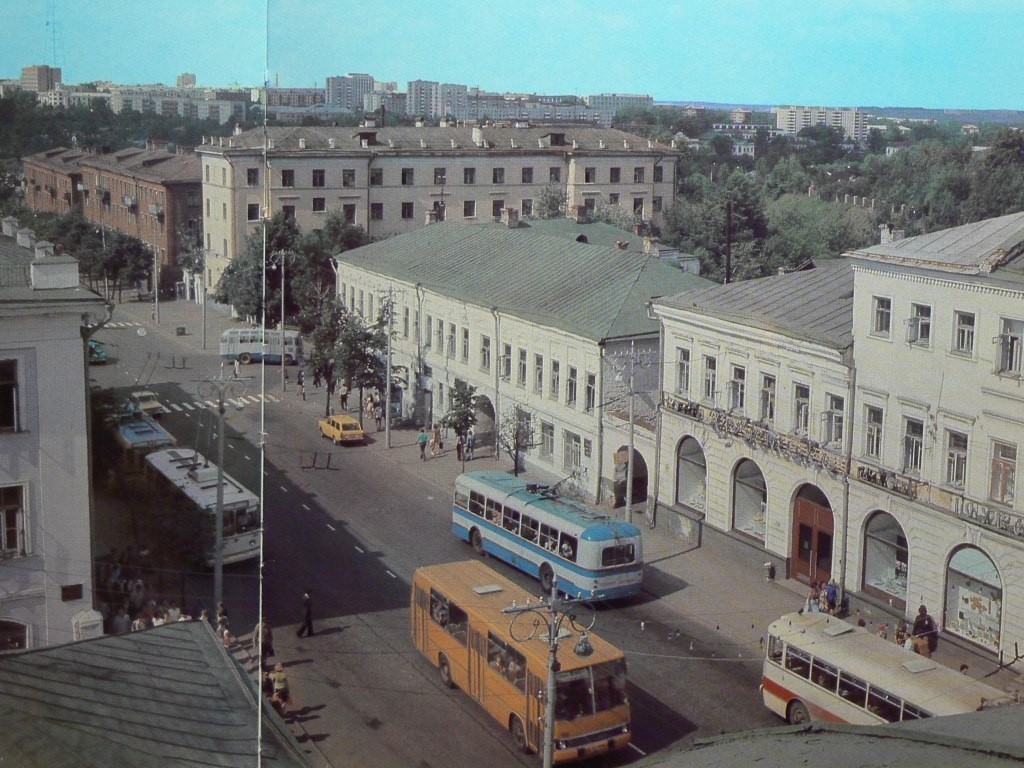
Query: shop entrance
[(813, 529)]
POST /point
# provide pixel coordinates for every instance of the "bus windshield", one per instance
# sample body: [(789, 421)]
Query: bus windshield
[(591, 690)]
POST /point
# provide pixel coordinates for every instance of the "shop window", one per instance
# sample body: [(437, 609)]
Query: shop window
[(974, 598), (886, 556)]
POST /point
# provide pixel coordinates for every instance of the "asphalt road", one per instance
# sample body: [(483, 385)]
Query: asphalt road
[(353, 533)]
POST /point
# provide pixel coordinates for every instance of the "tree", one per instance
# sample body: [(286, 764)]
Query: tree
[(240, 284), (462, 413), (324, 356), (516, 435), (551, 202)]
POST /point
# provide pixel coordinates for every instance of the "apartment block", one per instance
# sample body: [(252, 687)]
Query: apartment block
[(850, 120), (39, 78)]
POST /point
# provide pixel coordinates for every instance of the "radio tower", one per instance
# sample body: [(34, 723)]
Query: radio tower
[(54, 36)]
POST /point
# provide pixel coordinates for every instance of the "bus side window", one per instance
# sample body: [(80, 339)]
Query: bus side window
[(567, 547), (853, 689), (884, 704), (510, 520), (476, 503), (529, 529), (548, 537), (494, 511), (825, 675), (798, 662), (775, 647), (461, 499)]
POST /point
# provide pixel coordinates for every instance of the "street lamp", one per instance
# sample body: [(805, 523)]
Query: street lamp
[(221, 388), (551, 613), (624, 365), (278, 259)]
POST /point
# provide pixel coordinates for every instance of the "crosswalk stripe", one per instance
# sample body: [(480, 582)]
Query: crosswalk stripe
[(272, 399), (175, 406), (188, 406), (210, 404), (250, 398)]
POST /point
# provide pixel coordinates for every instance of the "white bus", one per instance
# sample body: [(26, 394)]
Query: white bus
[(247, 346), (530, 527), (186, 477), (818, 667)]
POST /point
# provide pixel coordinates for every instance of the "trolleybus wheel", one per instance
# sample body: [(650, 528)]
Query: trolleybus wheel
[(547, 578), (245, 358), (798, 713), (519, 735), (446, 672), (477, 541)]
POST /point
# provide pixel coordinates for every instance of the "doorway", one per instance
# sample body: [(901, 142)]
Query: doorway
[(813, 532)]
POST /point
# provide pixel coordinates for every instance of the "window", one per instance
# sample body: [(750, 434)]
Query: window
[(556, 379), (590, 204), (405, 322), (207, 169), (498, 176), (590, 400), (469, 209), (919, 325), (406, 211), (589, 175), (9, 405), (656, 204), (527, 175), (252, 177), (376, 177), (319, 177), (638, 206), (287, 178), (873, 432), (963, 333), (913, 445), (767, 398), (451, 339), (207, 207), (882, 316), (956, 459), (1004, 473), (573, 450), (485, 353), (496, 206), (547, 439), (832, 419), (659, 174), (1010, 351), (521, 370), (614, 175), (223, 177), (349, 212), (738, 388), (408, 177), (288, 211), (682, 371), (710, 377), (224, 211), (376, 211), (801, 408), (12, 521), (506, 362), (527, 207), (570, 387), (538, 374), (555, 175), (440, 336), (469, 176), (638, 175), (440, 176), (320, 204), (252, 212), (613, 198), (348, 177)]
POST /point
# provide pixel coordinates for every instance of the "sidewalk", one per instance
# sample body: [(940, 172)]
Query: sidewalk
[(726, 591)]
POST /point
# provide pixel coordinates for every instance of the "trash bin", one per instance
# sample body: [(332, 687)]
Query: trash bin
[(180, 330)]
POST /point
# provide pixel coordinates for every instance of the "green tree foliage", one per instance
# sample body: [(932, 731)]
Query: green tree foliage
[(516, 435), (551, 202), (461, 414)]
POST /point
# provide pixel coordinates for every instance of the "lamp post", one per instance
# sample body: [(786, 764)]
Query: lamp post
[(551, 613), (221, 388), (156, 283), (278, 259), (624, 365)]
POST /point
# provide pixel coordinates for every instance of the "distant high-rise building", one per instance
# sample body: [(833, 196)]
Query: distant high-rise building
[(607, 104), (39, 78), (348, 91), (850, 120), (421, 98), (186, 80)]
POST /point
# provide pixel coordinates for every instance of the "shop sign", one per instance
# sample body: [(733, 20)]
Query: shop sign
[(998, 520)]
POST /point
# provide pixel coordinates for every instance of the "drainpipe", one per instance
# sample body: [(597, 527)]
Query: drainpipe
[(599, 412), (846, 483), (652, 499), (497, 385)]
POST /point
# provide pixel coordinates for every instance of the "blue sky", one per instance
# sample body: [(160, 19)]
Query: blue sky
[(943, 53)]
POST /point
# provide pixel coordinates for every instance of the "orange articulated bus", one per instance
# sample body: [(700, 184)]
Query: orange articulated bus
[(458, 624)]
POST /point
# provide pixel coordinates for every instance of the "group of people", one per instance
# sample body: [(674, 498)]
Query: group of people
[(465, 443), (373, 408), (822, 597)]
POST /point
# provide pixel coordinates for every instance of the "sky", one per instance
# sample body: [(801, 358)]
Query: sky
[(955, 54)]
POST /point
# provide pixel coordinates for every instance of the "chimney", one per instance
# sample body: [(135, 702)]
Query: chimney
[(578, 213), (510, 217), (10, 226), (478, 136), (330, 142), (621, 245), (26, 238), (52, 271), (431, 217), (302, 143)]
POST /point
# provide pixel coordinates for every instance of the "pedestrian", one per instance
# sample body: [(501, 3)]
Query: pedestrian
[(343, 398), (378, 413), (300, 383), (459, 442), (925, 633), (421, 441), (236, 367), (811, 603), (831, 596), (470, 443), (306, 630), (436, 443), (901, 634), (264, 638), (281, 695)]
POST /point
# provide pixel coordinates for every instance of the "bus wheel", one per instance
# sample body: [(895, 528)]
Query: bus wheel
[(519, 735), (477, 541), (547, 578), (245, 358), (289, 360), (446, 672), (798, 714)]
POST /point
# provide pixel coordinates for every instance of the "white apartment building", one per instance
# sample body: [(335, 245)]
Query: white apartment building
[(852, 121), (863, 421), (757, 397), (348, 91), (394, 180), (46, 578), (489, 305)]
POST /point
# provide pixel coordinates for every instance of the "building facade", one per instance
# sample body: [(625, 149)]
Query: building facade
[(850, 120), (39, 78), (394, 180), (45, 541), (487, 305)]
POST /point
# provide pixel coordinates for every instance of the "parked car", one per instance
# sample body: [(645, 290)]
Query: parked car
[(341, 428), (97, 352), (147, 402)]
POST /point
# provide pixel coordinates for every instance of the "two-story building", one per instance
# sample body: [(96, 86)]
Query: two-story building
[(46, 586), (395, 180), (547, 320)]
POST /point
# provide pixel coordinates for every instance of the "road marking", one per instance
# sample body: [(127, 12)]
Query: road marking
[(332, 527), (189, 406), (175, 406), (306, 508), (272, 399), (283, 489), (360, 551), (247, 457), (634, 746), (231, 446), (210, 403), (389, 573)]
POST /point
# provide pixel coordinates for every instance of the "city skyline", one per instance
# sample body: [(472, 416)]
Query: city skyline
[(945, 55)]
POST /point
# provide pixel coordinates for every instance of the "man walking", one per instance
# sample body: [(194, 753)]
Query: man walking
[(925, 633), (300, 381), (306, 630), (421, 441)]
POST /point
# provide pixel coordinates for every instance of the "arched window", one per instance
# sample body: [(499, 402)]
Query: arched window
[(691, 474), (885, 559), (749, 499), (974, 597), (13, 636)]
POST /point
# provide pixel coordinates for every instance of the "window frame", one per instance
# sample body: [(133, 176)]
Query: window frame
[(881, 316)]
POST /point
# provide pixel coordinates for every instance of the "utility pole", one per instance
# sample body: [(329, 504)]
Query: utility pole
[(280, 258), (387, 376)]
